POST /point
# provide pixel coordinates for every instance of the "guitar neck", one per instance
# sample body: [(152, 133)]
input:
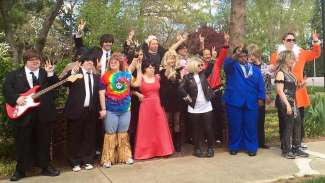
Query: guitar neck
[(42, 92)]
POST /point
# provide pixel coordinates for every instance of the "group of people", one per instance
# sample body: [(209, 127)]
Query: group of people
[(138, 103)]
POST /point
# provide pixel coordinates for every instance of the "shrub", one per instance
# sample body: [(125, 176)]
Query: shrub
[(315, 116), (6, 133)]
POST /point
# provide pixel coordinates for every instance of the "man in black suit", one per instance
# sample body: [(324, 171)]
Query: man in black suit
[(33, 128), (82, 112), (101, 56)]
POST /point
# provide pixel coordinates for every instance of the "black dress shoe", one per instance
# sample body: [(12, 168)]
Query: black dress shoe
[(251, 153), (50, 171), (264, 146), (210, 153), (17, 176), (233, 152), (198, 153)]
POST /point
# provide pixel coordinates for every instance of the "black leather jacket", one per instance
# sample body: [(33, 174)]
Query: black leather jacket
[(188, 87)]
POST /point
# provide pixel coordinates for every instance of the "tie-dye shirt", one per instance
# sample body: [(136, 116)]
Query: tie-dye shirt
[(117, 86)]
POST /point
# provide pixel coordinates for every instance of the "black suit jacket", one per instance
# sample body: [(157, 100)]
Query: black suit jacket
[(76, 98), (16, 83)]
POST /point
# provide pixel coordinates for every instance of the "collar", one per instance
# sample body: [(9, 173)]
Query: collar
[(296, 49), (84, 71), (28, 71)]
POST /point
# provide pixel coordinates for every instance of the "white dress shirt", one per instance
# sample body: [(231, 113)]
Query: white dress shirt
[(29, 76), (87, 98), (104, 61)]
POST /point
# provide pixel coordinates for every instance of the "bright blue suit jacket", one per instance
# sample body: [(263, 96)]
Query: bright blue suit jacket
[(241, 91)]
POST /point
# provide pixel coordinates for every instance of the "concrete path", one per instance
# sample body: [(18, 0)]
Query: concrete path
[(267, 166)]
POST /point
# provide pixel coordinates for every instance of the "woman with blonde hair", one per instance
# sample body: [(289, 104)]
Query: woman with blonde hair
[(196, 92), (170, 77), (289, 117)]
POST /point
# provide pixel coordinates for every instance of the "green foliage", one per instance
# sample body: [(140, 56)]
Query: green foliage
[(315, 116), (6, 133), (62, 94), (315, 180), (268, 20)]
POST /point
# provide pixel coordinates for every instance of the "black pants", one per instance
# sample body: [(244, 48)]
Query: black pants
[(219, 115), (302, 117), (260, 126), (291, 130), (202, 126), (82, 138), (32, 144), (100, 131)]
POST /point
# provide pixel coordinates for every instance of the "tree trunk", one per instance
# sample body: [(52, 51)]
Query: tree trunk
[(41, 40), (237, 23), (9, 32)]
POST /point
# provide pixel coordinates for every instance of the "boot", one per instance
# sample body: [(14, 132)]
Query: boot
[(123, 148), (109, 154)]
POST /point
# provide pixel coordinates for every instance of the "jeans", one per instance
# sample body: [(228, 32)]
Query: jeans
[(117, 122)]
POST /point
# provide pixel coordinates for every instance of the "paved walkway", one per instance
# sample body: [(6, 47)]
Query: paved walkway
[(267, 166)]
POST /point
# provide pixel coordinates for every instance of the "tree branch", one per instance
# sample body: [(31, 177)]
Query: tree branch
[(41, 40)]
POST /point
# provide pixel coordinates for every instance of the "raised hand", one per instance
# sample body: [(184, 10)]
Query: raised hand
[(82, 25), (131, 34), (214, 52), (201, 38), (315, 36), (226, 36), (49, 68), (75, 69)]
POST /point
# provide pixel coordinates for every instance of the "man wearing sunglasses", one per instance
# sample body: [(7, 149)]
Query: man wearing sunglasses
[(302, 57)]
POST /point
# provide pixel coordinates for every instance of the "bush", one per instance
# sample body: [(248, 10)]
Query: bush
[(315, 116), (6, 133)]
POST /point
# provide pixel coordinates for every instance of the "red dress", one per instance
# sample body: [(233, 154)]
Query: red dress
[(153, 136)]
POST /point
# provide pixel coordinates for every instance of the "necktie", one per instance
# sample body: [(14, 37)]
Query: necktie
[(35, 80), (90, 89), (247, 68)]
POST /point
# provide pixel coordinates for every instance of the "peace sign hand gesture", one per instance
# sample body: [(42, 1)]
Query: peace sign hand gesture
[(315, 36), (81, 26), (49, 68)]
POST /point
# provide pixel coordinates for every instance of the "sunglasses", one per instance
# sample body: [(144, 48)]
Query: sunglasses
[(290, 40)]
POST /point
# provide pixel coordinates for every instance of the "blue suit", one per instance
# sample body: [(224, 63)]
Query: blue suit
[(241, 98)]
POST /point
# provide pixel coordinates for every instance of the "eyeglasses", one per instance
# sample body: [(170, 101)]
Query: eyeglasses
[(290, 40)]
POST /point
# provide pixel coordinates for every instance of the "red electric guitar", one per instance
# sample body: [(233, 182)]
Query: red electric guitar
[(15, 112)]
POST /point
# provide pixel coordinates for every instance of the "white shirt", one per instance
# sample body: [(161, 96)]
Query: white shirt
[(29, 76), (202, 105), (104, 61), (87, 97)]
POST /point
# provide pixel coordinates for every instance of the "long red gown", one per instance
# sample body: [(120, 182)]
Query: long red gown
[(153, 137)]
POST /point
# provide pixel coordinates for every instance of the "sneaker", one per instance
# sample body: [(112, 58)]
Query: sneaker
[(76, 168), (210, 152), (289, 155), (89, 166), (130, 161), (300, 153), (304, 146), (107, 165)]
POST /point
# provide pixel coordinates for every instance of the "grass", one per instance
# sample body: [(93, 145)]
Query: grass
[(315, 180), (7, 167)]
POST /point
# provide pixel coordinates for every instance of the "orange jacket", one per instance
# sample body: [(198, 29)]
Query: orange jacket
[(302, 97)]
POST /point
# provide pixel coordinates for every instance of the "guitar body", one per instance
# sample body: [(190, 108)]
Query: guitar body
[(15, 112)]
